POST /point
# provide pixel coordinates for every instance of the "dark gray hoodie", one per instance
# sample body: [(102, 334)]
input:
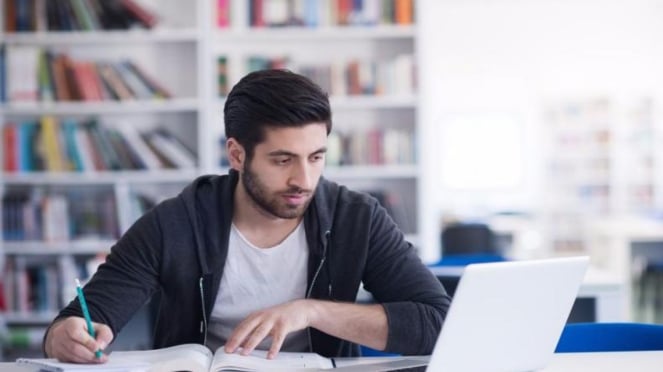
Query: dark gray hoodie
[(180, 246)]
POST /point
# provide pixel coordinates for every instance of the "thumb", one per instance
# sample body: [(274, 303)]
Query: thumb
[(104, 335)]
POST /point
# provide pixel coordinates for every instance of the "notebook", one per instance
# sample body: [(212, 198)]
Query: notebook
[(505, 316)]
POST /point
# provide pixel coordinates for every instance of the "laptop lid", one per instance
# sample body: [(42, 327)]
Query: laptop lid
[(508, 316)]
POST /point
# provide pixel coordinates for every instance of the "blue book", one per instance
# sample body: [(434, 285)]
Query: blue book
[(73, 152)]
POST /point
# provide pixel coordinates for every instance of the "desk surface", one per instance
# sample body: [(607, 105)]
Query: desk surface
[(641, 361)]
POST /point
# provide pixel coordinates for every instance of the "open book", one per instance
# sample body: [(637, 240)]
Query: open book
[(191, 357)]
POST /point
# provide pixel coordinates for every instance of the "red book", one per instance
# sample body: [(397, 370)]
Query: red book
[(222, 13), (257, 13), (148, 19), (9, 143)]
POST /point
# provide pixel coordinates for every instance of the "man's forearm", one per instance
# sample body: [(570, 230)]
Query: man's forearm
[(361, 324)]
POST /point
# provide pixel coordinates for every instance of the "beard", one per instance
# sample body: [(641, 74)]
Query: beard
[(272, 202)]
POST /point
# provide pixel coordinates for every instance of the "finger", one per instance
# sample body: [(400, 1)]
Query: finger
[(258, 334), (277, 342), (240, 333), (80, 336), (79, 353), (104, 335)]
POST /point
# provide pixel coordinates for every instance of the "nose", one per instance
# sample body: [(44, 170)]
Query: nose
[(302, 176)]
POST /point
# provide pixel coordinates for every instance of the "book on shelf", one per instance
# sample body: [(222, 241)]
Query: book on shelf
[(35, 74), (374, 146), (76, 15), (223, 13), (3, 76), (191, 357), (65, 145), (312, 13), (394, 76), (222, 76), (33, 214)]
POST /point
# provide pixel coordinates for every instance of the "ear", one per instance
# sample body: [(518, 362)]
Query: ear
[(236, 154)]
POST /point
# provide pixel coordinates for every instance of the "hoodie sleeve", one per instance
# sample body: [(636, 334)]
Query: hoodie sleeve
[(126, 280), (414, 300)]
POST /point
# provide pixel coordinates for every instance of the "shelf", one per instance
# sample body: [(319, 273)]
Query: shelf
[(371, 171), (31, 247), (363, 102), (288, 34), (373, 102), (101, 107), (95, 178), (39, 318), (101, 37)]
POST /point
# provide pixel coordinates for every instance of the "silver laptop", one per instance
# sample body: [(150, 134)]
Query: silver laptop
[(505, 316)]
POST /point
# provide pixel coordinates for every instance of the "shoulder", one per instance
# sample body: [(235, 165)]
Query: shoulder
[(334, 195)]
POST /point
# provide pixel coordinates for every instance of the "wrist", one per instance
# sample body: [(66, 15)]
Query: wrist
[(313, 310), (48, 338)]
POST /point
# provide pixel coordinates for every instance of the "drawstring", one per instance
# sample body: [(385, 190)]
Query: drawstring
[(203, 323)]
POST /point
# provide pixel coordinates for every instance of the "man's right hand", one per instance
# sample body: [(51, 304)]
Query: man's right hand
[(68, 340)]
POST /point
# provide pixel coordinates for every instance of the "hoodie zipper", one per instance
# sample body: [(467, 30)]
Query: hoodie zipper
[(325, 246), (203, 323)]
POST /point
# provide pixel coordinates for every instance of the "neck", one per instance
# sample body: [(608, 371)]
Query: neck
[(261, 228)]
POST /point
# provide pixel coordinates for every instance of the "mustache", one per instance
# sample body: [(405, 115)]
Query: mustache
[(296, 191)]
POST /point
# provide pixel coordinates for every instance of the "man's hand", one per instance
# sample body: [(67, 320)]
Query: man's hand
[(275, 321), (68, 340)]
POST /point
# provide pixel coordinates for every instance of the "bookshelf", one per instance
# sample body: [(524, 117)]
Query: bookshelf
[(40, 266), (363, 58), (604, 160), (188, 41)]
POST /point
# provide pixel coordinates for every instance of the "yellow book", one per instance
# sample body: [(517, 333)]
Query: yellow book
[(54, 159)]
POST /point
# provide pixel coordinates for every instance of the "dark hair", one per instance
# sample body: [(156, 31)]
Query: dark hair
[(273, 98)]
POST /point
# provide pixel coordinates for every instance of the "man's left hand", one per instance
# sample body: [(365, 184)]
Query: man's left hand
[(277, 322)]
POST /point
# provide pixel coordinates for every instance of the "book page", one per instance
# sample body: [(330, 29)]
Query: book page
[(51, 364), (187, 357), (257, 361)]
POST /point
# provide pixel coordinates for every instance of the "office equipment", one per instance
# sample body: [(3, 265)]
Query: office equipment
[(468, 238), (509, 313), (589, 337)]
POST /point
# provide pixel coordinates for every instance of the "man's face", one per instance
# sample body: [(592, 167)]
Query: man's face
[(285, 169)]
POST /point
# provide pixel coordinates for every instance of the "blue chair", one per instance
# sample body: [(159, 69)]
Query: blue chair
[(467, 259), (368, 352), (465, 243), (588, 337)]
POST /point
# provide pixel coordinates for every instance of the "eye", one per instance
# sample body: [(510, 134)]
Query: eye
[(318, 157), (282, 160)]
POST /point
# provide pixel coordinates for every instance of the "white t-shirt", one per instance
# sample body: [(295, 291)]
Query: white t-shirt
[(257, 278)]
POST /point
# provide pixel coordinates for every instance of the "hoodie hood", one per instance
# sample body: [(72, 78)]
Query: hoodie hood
[(209, 203)]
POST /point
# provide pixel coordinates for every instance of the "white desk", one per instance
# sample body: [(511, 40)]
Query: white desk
[(612, 246), (640, 361), (605, 288)]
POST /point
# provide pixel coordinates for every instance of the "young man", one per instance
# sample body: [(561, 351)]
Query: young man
[(270, 256)]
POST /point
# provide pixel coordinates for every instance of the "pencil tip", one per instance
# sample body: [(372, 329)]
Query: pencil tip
[(78, 283)]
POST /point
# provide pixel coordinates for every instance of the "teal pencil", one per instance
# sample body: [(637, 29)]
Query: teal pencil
[(86, 314)]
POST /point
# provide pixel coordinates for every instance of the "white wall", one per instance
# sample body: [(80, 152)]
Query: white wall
[(506, 58)]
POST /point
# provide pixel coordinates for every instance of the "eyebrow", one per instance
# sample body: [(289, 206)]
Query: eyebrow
[(321, 150)]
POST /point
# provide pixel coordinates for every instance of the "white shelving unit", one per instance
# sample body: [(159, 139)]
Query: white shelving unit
[(168, 52), (319, 46)]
